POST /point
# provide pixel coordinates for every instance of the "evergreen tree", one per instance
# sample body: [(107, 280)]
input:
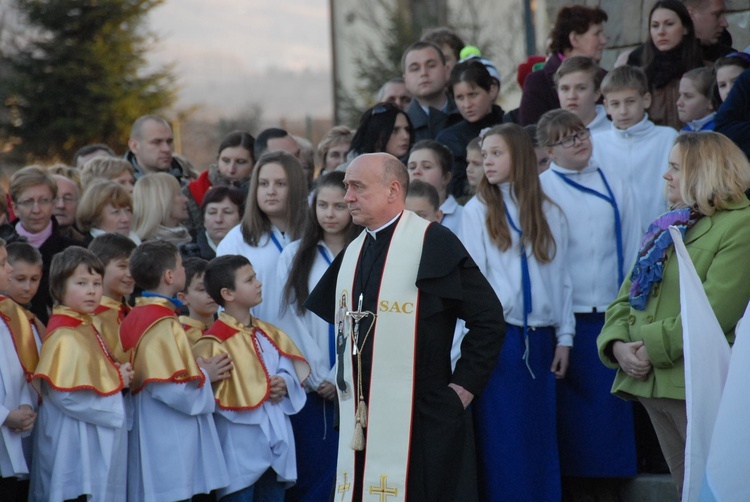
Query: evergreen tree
[(81, 76)]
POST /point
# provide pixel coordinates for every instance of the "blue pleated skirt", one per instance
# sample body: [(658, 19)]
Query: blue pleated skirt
[(316, 444), (595, 428), (515, 423)]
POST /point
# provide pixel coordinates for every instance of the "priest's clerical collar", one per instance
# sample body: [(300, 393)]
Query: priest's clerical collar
[(374, 233)]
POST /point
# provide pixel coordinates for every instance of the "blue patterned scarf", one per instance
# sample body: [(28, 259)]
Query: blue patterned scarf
[(649, 266)]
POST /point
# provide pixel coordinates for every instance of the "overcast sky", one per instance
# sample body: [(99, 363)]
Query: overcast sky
[(230, 54)]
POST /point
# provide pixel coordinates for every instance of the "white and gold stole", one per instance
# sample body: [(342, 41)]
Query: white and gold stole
[(392, 376)]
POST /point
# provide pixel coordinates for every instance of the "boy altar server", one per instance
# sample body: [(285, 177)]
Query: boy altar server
[(80, 445), (174, 450), (265, 387)]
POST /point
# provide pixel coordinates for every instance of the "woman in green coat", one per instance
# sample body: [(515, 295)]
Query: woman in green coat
[(642, 334)]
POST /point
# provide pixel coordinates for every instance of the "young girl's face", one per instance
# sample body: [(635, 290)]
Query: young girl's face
[(5, 269), (331, 210), (272, 190), (398, 143), (472, 101), (572, 151), (725, 77), (83, 290), (496, 157), (424, 165), (474, 167), (691, 104)]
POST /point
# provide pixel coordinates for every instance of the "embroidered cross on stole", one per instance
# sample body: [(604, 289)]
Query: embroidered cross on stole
[(393, 340)]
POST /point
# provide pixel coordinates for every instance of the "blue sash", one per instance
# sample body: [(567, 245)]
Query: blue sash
[(276, 241), (611, 199), (525, 287)]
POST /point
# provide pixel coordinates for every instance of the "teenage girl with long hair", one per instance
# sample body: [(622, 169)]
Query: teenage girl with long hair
[(328, 229), (273, 217), (518, 238)]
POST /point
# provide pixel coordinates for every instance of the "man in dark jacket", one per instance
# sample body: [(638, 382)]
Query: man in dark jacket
[(151, 150), (426, 76)]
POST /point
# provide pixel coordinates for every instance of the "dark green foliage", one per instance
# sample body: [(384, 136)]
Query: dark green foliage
[(81, 77)]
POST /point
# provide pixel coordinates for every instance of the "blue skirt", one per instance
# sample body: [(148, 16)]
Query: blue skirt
[(595, 428), (516, 430), (316, 444)]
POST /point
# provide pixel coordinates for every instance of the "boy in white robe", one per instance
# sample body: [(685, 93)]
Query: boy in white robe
[(19, 356), (174, 448), (254, 404), (80, 446)]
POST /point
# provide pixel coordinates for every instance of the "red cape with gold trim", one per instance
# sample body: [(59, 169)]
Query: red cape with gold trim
[(19, 325), (74, 358), (159, 348), (249, 384)]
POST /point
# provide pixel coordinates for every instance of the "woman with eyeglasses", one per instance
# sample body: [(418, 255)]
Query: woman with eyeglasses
[(383, 128), (595, 436), (33, 193)]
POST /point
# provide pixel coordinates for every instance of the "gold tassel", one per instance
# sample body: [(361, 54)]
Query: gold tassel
[(361, 414), (358, 441)]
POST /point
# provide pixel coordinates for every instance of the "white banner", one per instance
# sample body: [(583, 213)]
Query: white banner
[(706, 354)]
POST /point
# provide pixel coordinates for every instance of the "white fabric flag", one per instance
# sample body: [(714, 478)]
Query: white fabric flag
[(706, 354), (728, 460)]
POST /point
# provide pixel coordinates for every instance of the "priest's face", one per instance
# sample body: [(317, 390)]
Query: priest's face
[(373, 201)]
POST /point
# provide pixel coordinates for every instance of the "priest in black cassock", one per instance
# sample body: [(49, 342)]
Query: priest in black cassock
[(439, 463)]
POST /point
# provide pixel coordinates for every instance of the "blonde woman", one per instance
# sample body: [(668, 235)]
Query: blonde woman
[(160, 209), (642, 335), (106, 207)]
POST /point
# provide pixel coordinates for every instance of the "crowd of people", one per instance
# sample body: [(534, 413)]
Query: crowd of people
[(452, 301)]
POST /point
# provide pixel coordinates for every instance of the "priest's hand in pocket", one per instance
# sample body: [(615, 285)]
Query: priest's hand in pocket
[(278, 389), (127, 374), (327, 390), (218, 367), (463, 394)]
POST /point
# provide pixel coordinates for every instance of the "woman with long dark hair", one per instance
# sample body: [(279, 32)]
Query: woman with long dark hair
[(670, 51), (383, 128), (328, 229)]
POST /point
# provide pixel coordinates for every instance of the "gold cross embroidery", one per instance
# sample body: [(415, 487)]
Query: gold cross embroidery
[(343, 488), (383, 489)]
